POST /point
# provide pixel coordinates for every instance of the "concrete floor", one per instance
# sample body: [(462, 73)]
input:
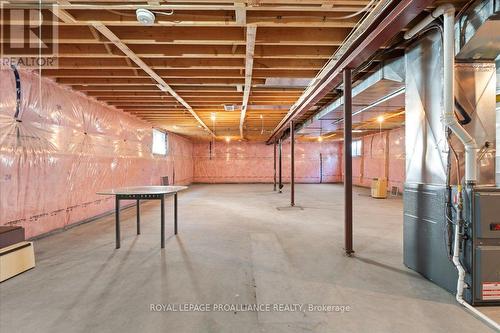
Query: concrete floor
[(234, 247)]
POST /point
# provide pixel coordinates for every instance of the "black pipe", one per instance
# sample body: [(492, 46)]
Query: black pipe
[(279, 165), (292, 165), (274, 146), (465, 116), (18, 93), (348, 161), (320, 168)]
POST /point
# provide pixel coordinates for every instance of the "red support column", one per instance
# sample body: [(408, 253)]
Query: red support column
[(348, 160), (292, 165)]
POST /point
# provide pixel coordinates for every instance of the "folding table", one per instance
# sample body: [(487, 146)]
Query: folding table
[(144, 193)]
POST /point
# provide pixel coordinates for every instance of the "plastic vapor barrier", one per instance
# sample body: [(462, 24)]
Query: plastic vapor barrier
[(58, 147), (383, 157), (250, 162)]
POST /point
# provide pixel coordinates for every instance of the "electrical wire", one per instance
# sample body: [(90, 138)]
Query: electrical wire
[(457, 161), (134, 15), (447, 232), (364, 10), (164, 13), (464, 8)]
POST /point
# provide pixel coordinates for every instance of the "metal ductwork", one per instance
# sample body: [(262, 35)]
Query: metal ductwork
[(381, 92), (477, 32), (376, 34)]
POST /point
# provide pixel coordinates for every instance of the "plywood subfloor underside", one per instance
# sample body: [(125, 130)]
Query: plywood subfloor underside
[(234, 247)]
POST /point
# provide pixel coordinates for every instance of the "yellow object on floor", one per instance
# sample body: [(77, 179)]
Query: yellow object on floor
[(15, 259), (379, 188)]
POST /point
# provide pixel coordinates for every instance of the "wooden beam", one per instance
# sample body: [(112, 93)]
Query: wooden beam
[(164, 86), (240, 13), (250, 49), (186, 51), (129, 62), (284, 64), (189, 7), (98, 38), (199, 35), (374, 36), (133, 72), (63, 15)]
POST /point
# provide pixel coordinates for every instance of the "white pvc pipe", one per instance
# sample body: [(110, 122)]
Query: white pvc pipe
[(448, 117)]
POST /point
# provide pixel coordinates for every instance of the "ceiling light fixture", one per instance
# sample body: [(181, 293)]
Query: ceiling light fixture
[(380, 119), (147, 17)]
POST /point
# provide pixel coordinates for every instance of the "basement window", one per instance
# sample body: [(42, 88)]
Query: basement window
[(159, 142), (357, 148)]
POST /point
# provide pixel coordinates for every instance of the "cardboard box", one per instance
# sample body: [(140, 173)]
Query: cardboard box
[(15, 259)]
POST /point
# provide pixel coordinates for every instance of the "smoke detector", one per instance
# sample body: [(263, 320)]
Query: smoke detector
[(145, 17)]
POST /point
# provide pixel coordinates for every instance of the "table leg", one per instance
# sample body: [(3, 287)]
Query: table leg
[(117, 221), (162, 222), (138, 218), (175, 213)]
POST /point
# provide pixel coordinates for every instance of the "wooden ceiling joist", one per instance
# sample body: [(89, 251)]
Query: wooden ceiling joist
[(163, 85), (191, 64), (250, 48), (64, 16), (158, 35), (185, 6)]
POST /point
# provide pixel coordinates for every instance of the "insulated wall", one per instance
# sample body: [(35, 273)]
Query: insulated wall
[(250, 162), (383, 156), (59, 147)]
